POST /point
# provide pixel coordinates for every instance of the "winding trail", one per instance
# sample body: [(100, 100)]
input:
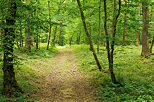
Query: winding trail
[(63, 81)]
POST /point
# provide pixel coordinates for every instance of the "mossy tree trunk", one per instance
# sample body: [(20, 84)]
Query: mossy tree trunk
[(89, 36), (10, 86)]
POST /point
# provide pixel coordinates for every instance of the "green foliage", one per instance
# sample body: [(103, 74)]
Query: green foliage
[(133, 72), (131, 91), (27, 80)]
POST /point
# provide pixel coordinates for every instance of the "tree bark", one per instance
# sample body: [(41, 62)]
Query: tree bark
[(71, 39), (110, 51), (10, 86), (59, 35), (48, 41), (27, 31), (152, 44), (54, 38), (78, 37), (125, 24), (89, 37), (98, 41), (21, 38), (145, 49), (138, 30)]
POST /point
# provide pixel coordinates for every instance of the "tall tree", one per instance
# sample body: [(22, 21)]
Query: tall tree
[(99, 26), (10, 85), (27, 31), (48, 41), (89, 36), (138, 30), (125, 24), (110, 50), (145, 48)]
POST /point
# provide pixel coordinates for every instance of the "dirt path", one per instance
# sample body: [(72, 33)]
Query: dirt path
[(63, 81)]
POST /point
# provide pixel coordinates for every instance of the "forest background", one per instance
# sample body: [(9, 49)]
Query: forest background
[(119, 30)]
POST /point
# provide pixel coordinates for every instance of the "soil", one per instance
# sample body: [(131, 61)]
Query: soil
[(64, 82)]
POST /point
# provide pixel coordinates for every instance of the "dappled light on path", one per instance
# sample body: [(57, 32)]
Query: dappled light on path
[(63, 80)]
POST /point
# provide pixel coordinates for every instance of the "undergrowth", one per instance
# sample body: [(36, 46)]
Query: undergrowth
[(135, 73), (27, 79)]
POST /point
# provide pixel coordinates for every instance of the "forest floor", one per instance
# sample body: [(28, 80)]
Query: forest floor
[(64, 82)]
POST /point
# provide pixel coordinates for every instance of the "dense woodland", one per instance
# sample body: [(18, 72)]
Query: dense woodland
[(112, 40)]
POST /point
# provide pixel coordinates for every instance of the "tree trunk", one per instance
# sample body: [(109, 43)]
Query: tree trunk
[(90, 21), (20, 36), (89, 37), (152, 44), (10, 86), (71, 39), (138, 30), (27, 31), (78, 37), (37, 41), (145, 49), (48, 41), (110, 51), (59, 35), (98, 41), (54, 38), (125, 24)]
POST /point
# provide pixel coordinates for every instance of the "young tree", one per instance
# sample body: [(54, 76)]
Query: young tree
[(10, 85), (138, 30), (98, 41), (111, 49), (145, 48), (89, 36), (54, 38), (48, 41)]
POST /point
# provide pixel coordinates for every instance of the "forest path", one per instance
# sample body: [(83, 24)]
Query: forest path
[(63, 81)]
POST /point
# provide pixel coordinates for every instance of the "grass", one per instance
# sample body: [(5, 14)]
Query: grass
[(28, 79), (134, 72)]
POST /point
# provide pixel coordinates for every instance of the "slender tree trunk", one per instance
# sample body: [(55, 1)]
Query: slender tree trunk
[(138, 30), (10, 86), (90, 21), (145, 49), (37, 41), (71, 39), (78, 37), (48, 41), (152, 44), (20, 39), (110, 51), (41, 37), (59, 35), (2, 32), (89, 37), (98, 41), (125, 24), (27, 31), (54, 38)]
